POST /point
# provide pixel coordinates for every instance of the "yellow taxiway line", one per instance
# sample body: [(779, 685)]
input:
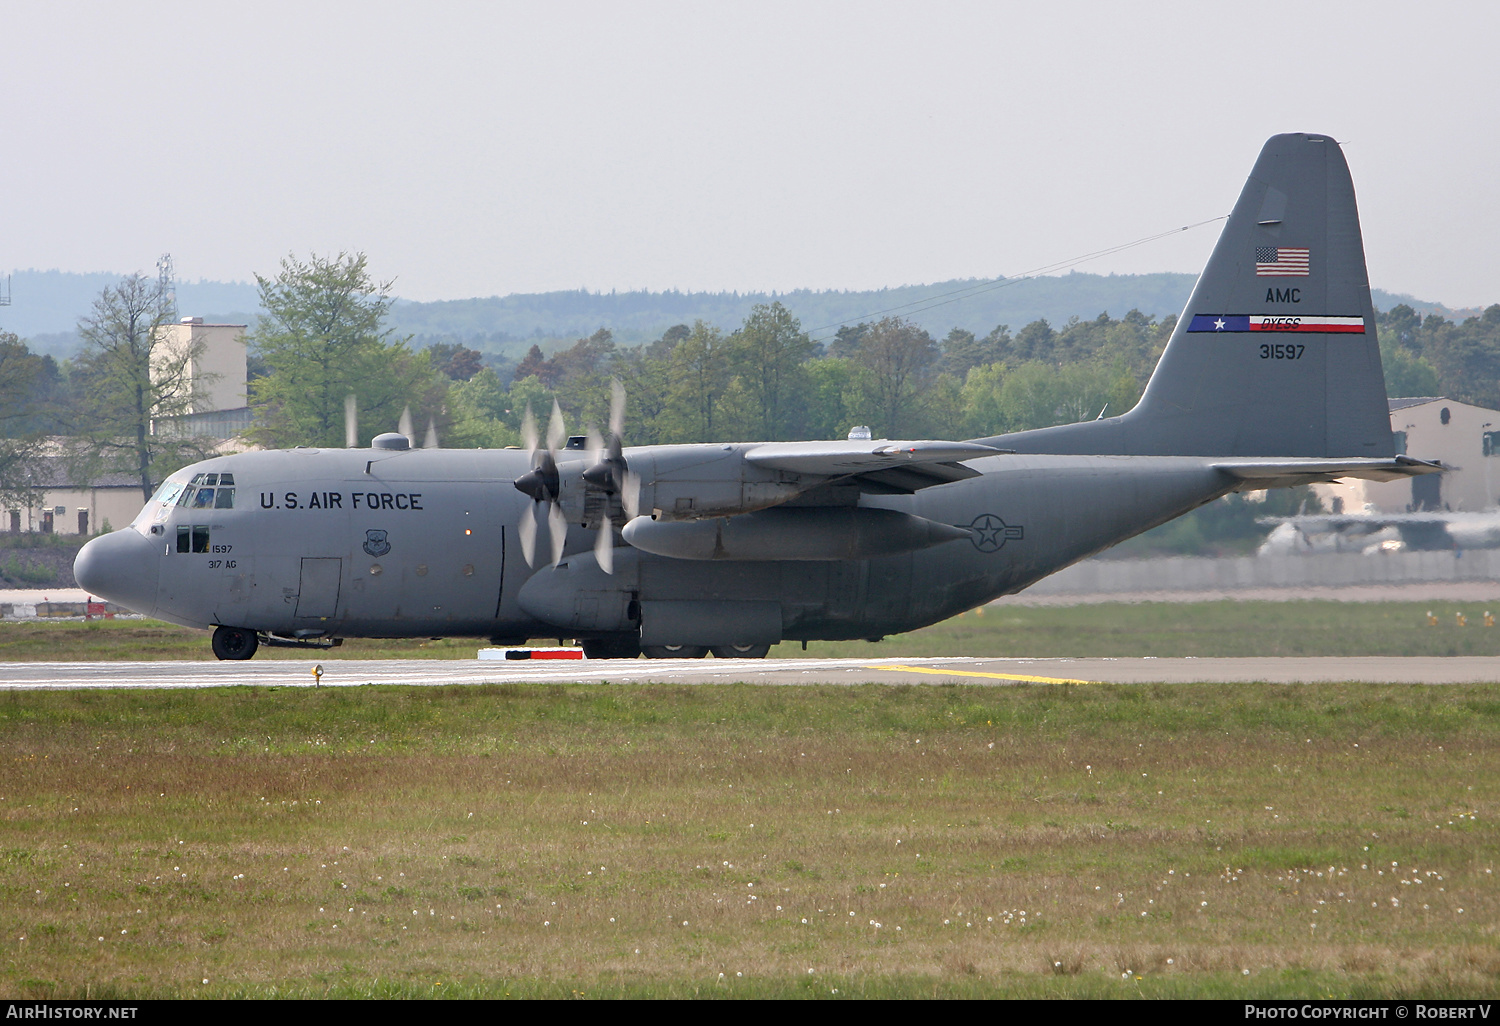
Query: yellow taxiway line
[(975, 673)]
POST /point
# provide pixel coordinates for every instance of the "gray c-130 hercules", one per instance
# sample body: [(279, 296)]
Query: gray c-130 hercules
[(1271, 378)]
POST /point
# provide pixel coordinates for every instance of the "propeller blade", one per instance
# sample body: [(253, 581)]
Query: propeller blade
[(604, 548), (616, 407), (595, 444), (351, 422), (630, 495), (557, 526), (528, 432), (431, 442), (557, 433), (526, 529), (405, 424)]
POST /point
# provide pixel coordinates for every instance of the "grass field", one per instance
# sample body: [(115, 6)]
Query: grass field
[(1195, 841), (1108, 629)]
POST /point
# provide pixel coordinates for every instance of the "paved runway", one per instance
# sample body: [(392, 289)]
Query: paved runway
[(353, 672)]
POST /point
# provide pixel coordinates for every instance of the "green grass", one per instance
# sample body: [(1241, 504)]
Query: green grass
[(597, 840), (1225, 628), (135, 639), (38, 540), (26, 572), (1108, 629)]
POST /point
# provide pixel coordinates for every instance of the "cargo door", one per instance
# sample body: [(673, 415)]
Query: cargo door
[(319, 594)]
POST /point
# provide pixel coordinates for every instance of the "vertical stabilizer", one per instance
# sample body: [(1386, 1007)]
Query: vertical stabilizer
[(1275, 354)]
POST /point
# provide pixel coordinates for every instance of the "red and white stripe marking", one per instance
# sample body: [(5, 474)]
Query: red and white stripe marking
[(1322, 325)]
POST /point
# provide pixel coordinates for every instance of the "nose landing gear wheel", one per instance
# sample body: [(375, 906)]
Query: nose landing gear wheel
[(674, 651), (740, 651), (234, 643)]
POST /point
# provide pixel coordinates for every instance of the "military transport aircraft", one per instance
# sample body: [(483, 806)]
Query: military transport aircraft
[(1271, 378), (1432, 530)]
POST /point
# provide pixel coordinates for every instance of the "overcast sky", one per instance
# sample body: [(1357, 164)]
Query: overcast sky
[(487, 148)]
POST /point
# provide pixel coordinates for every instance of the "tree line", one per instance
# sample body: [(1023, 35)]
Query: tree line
[(324, 337), (1435, 356), (771, 380)]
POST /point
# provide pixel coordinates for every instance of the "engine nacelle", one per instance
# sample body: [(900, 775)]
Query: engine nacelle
[(578, 596), (819, 533), (689, 482)]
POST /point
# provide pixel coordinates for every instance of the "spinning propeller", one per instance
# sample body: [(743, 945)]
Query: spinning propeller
[(351, 425), (542, 483), (610, 473)]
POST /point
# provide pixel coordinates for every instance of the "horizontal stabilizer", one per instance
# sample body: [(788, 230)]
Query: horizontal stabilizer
[(1281, 473)]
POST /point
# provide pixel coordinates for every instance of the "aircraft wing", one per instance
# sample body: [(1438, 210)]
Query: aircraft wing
[(1373, 521), (881, 465), (1281, 473)]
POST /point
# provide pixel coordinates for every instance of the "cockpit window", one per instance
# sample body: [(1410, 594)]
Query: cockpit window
[(168, 492), (156, 511), (201, 493)]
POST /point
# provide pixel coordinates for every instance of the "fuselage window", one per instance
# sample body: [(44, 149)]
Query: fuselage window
[(224, 497), (204, 499), (192, 539)]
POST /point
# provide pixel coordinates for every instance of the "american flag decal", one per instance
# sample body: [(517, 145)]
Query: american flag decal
[(1281, 261)]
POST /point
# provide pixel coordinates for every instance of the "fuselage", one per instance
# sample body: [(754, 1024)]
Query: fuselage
[(312, 543)]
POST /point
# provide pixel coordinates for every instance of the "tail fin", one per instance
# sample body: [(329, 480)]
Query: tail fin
[(1276, 353)]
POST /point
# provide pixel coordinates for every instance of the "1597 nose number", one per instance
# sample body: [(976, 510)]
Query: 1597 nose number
[(1282, 351)]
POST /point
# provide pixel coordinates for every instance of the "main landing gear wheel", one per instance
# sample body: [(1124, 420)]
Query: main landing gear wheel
[(235, 643), (628, 647), (740, 651), (674, 651)]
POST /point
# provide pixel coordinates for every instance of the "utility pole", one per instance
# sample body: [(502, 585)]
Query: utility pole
[(1488, 449), (167, 285)]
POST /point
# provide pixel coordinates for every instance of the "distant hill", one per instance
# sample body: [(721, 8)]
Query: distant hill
[(505, 321), (46, 306)]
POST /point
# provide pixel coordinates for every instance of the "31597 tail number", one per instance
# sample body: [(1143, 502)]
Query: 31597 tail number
[(1282, 351)]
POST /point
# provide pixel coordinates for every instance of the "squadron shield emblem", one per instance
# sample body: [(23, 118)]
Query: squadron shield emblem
[(376, 543)]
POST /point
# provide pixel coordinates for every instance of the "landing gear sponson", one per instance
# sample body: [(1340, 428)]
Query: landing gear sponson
[(239, 643)]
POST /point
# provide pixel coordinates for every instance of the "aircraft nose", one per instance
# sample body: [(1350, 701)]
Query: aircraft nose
[(120, 567)]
